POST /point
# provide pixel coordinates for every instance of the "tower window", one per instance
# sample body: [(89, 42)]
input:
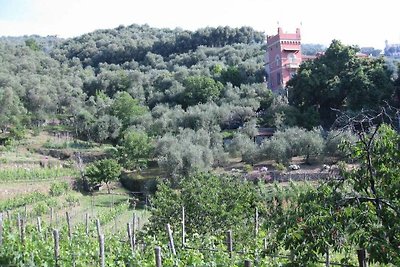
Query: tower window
[(292, 58), (278, 61)]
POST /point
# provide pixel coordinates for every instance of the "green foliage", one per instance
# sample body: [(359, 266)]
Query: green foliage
[(240, 145), (126, 108), (21, 200), (72, 200), (53, 145), (186, 153), (200, 89), (340, 80), (279, 167), (247, 168), (292, 142), (58, 188), (212, 204), (334, 143), (26, 174), (11, 109), (32, 44), (137, 183), (360, 210), (103, 171), (40, 208), (280, 114), (135, 149), (312, 49)]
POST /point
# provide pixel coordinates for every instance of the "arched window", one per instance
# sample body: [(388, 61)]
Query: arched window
[(278, 60), (292, 58)]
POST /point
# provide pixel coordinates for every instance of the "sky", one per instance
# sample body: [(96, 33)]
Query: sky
[(354, 22)]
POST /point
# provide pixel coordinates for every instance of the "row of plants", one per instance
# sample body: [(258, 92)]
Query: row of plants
[(39, 203), (37, 249), (21, 200), (31, 174)]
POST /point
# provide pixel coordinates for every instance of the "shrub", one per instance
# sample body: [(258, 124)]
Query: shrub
[(279, 167), (247, 168), (40, 208), (71, 200), (58, 189)]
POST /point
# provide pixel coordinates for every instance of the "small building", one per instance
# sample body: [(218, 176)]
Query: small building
[(262, 134)]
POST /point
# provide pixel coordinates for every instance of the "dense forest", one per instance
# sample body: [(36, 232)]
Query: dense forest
[(169, 87)]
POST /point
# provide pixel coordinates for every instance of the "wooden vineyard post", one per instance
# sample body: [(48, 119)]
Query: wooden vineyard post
[(229, 242), (51, 216), (327, 258), (134, 219), (22, 230), (130, 238), (87, 223), (256, 222), (183, 227), (18, 221), (247, 263), (39, 225), (69, 225), (362, 258), (157, 252), (102, 256), (56, 246), (171, 239), (265, 243), (1, 229), (98, 227)]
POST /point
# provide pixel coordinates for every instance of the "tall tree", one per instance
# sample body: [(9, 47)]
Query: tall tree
[(126, 108), (11, 109), (200, 89), (103, 171), (135, 149), (339, 79)]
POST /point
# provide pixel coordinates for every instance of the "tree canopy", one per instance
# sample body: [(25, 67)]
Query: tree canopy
[(339, 80)]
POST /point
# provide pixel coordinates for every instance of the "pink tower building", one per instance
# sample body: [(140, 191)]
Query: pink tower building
[(283, 58)]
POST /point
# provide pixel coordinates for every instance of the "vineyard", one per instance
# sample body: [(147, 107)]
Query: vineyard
[(88, 244), (205, 219)]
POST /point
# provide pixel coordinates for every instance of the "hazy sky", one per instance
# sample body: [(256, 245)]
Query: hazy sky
[(363, 23)]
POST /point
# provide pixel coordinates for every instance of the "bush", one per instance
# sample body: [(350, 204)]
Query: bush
[(71, 200), (247, 168), (279, 167), (40, 208), (334, 140), (51, 203), (58, 189), (294, 142), (54, 145), (185, 154)]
